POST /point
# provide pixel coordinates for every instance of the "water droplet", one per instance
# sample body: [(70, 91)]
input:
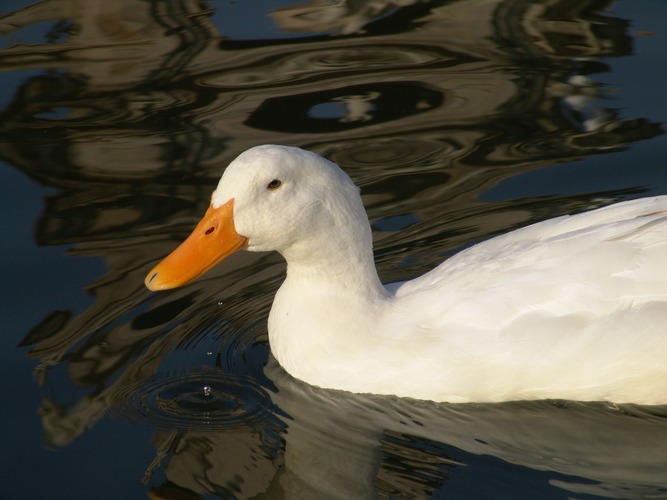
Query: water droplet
[(220, 302), (194, 401), (209, 353)]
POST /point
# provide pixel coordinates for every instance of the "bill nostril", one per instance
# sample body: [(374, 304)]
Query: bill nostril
[(210, 230)]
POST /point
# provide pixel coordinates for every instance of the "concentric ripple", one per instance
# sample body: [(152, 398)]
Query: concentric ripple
[(193, 401), (296, 66), (401, 155)]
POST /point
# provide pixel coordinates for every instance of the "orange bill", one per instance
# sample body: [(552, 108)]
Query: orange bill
[(213, 239)]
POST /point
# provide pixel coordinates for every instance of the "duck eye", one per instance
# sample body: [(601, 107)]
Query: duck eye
[(274, 184)]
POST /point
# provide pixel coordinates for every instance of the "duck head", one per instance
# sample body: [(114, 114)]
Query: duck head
[(270, 198)]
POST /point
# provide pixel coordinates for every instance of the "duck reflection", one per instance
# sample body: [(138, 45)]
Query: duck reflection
[(426, 105), (340, 445)]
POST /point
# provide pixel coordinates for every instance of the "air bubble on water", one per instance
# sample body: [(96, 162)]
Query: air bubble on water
[(207, 390)]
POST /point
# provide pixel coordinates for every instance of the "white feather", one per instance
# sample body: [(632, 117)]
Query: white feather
[(574, 307)]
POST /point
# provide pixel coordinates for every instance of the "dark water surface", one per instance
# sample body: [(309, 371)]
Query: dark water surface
[(459, 120)]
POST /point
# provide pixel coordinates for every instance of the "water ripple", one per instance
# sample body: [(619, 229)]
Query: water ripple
[(295, 66), (193, 401), (397, 154)]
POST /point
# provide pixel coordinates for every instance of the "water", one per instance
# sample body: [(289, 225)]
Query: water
[(459, 120)]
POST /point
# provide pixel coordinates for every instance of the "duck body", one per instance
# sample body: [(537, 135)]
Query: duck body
[(569, 308)]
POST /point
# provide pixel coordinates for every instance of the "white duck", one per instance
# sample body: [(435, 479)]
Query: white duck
[(573, 307)]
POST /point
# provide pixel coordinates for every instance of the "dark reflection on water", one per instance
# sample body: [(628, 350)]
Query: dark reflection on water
[(130, 110), (191, 401)]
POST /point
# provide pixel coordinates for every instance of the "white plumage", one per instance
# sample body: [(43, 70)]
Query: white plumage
[(574, 307)]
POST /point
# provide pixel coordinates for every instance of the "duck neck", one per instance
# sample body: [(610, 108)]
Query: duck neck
[(344, 264), (347, 274)]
